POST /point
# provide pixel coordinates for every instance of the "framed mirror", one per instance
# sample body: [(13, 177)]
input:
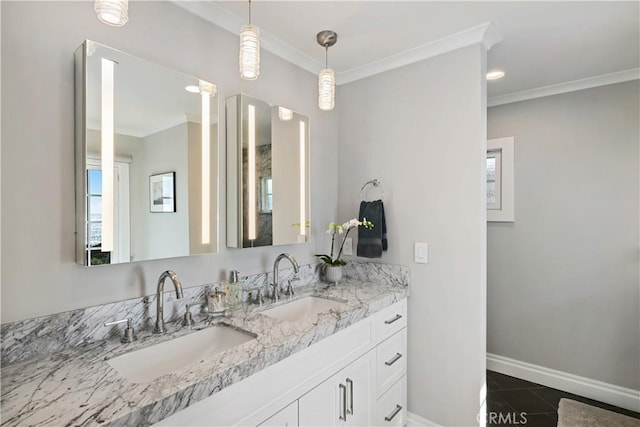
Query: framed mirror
[(146, 159), (267, 174)]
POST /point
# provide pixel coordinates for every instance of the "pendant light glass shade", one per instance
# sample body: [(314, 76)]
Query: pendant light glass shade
[(250, 52), (326, 89), (113, 12)]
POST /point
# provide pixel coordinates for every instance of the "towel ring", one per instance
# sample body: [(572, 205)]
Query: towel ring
[(376, 184)]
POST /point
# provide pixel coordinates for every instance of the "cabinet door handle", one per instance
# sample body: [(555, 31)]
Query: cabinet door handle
[(343, 402), (393, 360), (350, 383), (390, 321), (393, 414)]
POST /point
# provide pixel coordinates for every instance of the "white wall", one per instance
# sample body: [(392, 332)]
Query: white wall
[(39, 274), (564, 279), (421, 130), (166, 233)]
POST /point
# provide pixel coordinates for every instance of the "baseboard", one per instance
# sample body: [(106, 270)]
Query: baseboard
[(414, 420), (597, 390)]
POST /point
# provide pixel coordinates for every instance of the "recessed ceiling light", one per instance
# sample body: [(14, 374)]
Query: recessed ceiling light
[(192, 89), (495, 75)]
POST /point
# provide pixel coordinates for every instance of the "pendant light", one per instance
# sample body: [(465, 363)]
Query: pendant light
[(327, 78), (249, 50), (112, 12)]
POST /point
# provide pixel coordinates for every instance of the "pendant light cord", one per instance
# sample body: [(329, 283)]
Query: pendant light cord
[(326, 56), (249, 12)]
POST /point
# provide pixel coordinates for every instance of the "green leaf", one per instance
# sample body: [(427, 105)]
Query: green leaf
[(326, 258)]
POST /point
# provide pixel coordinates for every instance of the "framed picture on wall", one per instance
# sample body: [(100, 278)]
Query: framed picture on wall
[(162, 192)]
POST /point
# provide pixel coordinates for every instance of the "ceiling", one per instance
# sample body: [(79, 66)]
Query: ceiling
[(543, 43), (141, 109)]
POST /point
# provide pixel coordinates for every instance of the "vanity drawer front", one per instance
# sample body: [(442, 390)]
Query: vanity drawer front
[(390, 320), (391, 361), (391, 408)]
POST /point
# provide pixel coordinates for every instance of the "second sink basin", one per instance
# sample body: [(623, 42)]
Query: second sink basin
[(149, 363), (306, 308)]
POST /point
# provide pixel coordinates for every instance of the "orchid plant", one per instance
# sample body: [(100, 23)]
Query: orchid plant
[(336, 230)]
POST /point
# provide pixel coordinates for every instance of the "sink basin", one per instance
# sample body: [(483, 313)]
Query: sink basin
[(306, 308), (149, 363)]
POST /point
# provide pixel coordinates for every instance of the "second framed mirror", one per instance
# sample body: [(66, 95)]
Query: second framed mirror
[(267, 174)]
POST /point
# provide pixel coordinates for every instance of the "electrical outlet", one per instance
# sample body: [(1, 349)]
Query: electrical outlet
[(348, 246)]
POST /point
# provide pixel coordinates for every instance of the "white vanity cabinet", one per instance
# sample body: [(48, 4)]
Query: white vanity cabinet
[(345, 399), (355, 377)]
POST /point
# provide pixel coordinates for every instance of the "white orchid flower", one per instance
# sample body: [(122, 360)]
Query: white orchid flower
[(353, 222)]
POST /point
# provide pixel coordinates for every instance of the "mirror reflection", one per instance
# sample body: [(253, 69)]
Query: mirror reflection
[(146, 159), (268, 174)]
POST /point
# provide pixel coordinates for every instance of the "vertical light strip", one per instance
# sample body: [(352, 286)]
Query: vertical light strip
[(303, 179), (206, 168), (107, 149), (251, 184)]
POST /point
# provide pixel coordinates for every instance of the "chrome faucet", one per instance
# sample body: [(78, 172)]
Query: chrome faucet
[(159, 329), (276, 286)]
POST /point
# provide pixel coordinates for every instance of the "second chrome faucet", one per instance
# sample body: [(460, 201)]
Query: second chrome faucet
[(276, 286)]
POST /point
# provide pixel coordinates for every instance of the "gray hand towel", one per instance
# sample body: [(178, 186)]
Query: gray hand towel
[(371, 242)]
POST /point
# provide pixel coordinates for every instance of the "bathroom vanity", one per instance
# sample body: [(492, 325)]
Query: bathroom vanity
[(354, 377), (340, 360)]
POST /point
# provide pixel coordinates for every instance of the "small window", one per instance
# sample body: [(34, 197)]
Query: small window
[(500, 179), (266, 194), (494, 179), (94, 218)]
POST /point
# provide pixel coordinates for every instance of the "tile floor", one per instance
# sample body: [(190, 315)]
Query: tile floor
[(507, 394)]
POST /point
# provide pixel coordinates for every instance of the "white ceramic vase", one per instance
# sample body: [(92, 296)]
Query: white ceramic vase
[(333, 273)]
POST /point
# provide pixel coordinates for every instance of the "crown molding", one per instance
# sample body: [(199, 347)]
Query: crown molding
[(486, 34), (231, 22), (590, 82)]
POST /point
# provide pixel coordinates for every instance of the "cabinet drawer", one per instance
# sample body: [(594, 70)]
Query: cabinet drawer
[(390, 320), (391, 408), (391, 361)]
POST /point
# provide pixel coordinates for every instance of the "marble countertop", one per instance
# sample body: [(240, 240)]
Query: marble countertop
[(77, 387)]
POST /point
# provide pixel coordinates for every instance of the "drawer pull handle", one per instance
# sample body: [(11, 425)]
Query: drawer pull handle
[(343, 401), (350, 383), (393, 360), (390, 321), (393, 414)]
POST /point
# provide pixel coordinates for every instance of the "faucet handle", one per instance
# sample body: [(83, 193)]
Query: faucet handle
[(129, 334), (259, 299), (188, 319)]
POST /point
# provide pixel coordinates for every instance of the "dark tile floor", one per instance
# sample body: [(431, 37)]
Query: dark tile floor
[(508, 395)]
